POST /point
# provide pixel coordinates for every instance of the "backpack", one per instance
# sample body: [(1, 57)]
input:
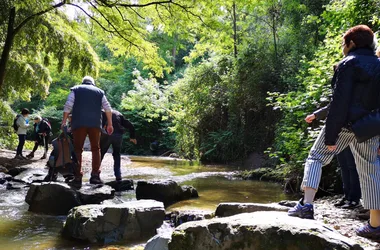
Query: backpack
[(15, 125), (47, 122)]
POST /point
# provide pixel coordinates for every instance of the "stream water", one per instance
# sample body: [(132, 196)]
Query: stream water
[(20, 229)]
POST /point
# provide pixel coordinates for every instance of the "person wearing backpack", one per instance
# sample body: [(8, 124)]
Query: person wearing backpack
[(21, 125), (41, 134), (120, 125)]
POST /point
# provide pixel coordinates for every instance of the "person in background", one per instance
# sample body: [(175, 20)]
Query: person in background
[(85, 102), (23, 125), (350, 177), (120, 125), (355, 95), (41, 135)]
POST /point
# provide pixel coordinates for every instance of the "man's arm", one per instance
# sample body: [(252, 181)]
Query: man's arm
[(68, 108), (108, 110), (339, 106), (128, 125)]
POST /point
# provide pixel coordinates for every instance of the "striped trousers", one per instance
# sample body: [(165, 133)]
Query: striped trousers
[(366, 160)]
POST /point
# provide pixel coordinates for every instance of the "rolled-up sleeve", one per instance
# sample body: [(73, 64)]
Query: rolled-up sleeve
[(69, 103), (106, 105)]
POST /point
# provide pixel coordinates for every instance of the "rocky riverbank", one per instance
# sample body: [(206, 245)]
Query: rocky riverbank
[(20, 174)]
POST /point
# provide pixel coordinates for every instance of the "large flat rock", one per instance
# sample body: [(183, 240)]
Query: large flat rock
[(129, 221), (232, 208), (258, 231), (58, 198), (167, 192)]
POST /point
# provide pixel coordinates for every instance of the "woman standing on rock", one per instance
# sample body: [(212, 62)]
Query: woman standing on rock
[(346, 160), (356, 94)]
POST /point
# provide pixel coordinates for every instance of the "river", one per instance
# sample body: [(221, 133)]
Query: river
[(20, 229)]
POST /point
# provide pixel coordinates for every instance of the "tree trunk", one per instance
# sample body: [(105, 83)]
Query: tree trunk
[(7, 46), (274, 35), (235, 28)]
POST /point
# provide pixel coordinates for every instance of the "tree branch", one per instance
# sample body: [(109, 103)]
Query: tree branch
[(26, 20), (102, 26)]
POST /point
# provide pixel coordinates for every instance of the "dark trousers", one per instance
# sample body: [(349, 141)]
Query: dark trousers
[(116, 141), (43, 141), (350, 177), (80, 135), (21, 143)]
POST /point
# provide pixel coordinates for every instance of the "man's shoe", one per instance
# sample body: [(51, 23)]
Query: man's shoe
[(30, 156), (95, 179), (43, 157), (369, 232), (351, 205), (75, 182), (20, 157), (304, 211), (341, 202)]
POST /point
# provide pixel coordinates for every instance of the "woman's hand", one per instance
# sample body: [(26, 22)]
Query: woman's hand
[(310, 118)]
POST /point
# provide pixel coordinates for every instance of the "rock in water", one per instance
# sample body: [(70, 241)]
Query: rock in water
[(122, 185), (168, 192), (58, 198), (5, 177), (92, 194), (53, 198), (129, 221), (229, 209), (161, 240), (31, 175), (177, 218), (258, 231)]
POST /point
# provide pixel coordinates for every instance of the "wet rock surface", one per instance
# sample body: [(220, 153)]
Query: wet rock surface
[(229, 209), (129, 221), (58, 198), (177, 218), (5, 178), (123, 185), (31, 175), (167, 192), (258, 230)]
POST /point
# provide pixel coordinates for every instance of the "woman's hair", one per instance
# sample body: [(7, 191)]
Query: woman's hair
[(25, 111), (361, 35), (37, 117)]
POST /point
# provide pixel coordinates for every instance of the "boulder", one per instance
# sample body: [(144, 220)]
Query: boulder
[(168, 192), (11, 185), (31, 175), (129, 221), (58, 198), (4, 178), (228, 209), (179, 217), (161, 240), (91, 194), (16, 171), (256, 231), (123, 185)]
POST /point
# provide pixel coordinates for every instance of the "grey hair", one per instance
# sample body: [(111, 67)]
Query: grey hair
[(88, 80), (37, 117)]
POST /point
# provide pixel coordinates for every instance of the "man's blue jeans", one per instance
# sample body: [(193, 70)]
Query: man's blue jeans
[(350, 177), (115, 140)]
